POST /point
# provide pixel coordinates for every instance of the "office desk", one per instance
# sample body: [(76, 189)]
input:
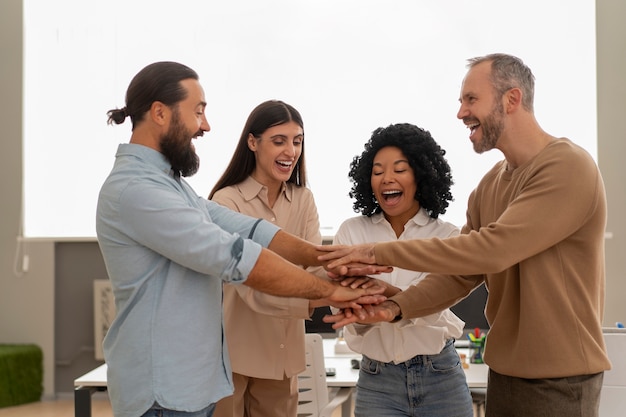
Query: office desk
[(84, 386), (96, 379), (345, 376)]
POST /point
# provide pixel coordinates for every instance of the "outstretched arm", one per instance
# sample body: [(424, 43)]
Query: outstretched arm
[(301, 252), (274, 275)]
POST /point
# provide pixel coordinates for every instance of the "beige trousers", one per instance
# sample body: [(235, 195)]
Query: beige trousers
[(256, 397)]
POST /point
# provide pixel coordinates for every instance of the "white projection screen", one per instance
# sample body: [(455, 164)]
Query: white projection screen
[(349, 66)]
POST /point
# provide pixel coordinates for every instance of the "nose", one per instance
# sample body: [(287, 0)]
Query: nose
[(204, 125), (388, 176), (290, 149), (463, 112)]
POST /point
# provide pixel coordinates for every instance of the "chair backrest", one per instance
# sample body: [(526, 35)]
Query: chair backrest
[(313, 392)]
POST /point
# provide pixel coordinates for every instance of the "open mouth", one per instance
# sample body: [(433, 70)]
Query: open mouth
[(472, 126), (391, 195), (284, 166)]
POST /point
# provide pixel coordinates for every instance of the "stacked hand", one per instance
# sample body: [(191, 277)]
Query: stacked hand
[(373, 313), (357, 260), (344, 296), (349, 265)]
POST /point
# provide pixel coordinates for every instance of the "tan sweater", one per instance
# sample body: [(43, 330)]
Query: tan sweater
[(535, 235)]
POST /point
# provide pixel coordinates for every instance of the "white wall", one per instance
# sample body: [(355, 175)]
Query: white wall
[(349, 66)]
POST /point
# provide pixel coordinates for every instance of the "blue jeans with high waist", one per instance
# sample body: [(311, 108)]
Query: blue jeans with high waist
[(158, 411), (425, 385)]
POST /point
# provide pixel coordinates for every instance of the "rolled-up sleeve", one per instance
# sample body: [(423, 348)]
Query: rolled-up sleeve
[(203, 236)]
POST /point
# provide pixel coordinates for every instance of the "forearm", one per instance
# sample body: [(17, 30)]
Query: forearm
[(295, 249), (394, 309), (273, 275), (272, 305), (434, 294)]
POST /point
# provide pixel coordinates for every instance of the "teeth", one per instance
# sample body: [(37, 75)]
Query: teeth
[(287, 164), (391, 192)]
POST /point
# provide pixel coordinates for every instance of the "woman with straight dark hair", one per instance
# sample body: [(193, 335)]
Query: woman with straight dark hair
[(266, 179)]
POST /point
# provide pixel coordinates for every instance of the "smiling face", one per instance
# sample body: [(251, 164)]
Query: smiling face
[(187, 121), (480, 110), (393, 184), (177, 147), (276, 153)]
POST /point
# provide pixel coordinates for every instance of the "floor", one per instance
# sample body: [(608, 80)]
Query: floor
[(100, 407), (64, 407)]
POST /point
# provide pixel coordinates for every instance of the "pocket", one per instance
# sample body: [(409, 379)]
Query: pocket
[(445, 362), (370, 366)]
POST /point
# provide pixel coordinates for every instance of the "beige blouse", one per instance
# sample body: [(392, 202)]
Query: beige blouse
[(265, 333)]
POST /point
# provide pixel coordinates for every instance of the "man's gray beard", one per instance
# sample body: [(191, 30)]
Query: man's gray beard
[(492, 127)]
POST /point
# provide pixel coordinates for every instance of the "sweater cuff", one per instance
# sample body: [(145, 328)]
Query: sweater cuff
[(403, 302)]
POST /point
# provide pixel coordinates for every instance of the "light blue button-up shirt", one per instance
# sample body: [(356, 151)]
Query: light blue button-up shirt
[(167, 252)]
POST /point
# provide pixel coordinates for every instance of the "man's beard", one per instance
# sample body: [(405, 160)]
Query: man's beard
[(177, 148), (492, 126)]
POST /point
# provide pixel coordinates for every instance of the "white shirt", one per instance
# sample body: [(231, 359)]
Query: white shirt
[(400, 341)]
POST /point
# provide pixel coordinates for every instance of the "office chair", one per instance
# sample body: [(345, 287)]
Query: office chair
[(313, 398)]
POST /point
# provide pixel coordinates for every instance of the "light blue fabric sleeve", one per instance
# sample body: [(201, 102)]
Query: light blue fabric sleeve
[(202, 236)]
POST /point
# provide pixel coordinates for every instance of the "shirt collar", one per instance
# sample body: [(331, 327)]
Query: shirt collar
[(251, 188), (421, 218), (149, 155)]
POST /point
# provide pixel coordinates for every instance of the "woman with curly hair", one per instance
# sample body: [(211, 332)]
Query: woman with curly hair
[(401, 184)]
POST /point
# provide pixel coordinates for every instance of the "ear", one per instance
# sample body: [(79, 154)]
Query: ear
[(513, 99), (252, 142), (159, 113)]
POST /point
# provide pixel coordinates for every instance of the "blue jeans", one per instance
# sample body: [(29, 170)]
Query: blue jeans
[(426, 385), (158, 411)]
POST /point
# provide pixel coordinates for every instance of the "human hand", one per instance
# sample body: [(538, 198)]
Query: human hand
[(356, 281), (356, 270), (368, 282), (386, 311), (362, 303), (350, 260), (355, 298)]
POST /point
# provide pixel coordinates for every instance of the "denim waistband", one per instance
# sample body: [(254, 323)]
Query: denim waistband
[(420, 359)]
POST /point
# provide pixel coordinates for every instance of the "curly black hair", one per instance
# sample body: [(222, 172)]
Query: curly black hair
[(426, 158)]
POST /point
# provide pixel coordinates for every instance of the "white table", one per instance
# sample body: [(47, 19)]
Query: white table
[(345, 376), (84, 386), (96, 379)]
